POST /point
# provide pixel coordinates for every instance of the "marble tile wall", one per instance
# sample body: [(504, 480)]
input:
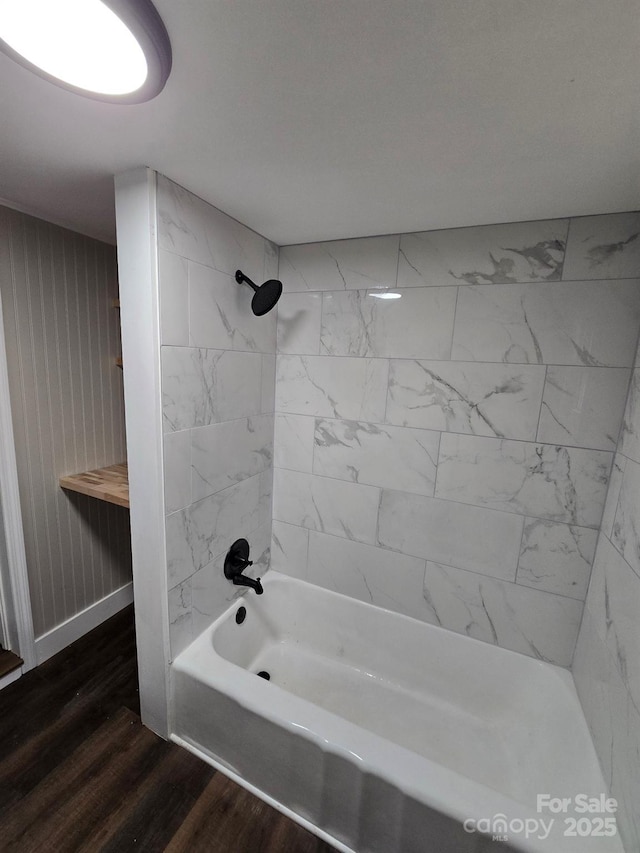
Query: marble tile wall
[(218, 387), (606, 665), (447, 407)]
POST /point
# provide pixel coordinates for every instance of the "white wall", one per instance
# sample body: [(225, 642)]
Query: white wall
[(62, 339), (446, 453)]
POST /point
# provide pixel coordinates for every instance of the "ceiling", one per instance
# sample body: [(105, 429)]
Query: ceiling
[(320, 119)]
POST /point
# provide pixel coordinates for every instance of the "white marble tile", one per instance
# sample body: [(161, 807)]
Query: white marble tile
[(265, 497), (299, 317), (271, 260), (387, 456), (488, 254), (380, 577), (177, 470), (614, 602), (220, 315), (582, 406), (417, 324), (174, 299), (293, 442), (268, 386), (201, 386), (558, 483), (626, 526), (596, 679), (289, 548), (606, 246), (614, 722), (613, 494), (466, 536), (180, 623), (535, 623), (211, 593), (340, 265), (583, 323), (329, 387), (556, 557), (630, 437), (330, 506), (225, 453), (625, 775), (482, 399), (200, 532), (190, 227)]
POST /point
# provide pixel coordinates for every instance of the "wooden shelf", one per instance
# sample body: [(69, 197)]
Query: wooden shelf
[(109, 484)]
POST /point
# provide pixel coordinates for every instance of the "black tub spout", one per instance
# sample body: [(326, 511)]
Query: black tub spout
[(243, 580)]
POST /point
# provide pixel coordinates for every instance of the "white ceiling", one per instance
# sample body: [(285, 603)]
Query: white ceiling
[(319, 119)]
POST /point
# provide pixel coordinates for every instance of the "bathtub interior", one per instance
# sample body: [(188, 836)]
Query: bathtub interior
[(503, 720)]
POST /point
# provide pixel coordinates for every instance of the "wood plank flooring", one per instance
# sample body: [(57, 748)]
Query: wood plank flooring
[(79, 772)]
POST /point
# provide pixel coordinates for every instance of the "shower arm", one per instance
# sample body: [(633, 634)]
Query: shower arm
[(241, 278)]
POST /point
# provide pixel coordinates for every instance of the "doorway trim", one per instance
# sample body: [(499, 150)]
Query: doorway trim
[(14, 581)]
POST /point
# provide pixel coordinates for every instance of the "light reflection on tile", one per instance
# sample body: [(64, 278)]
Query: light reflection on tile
[(417, 325)]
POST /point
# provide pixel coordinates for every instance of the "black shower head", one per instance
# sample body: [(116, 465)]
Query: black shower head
[(265, 296)]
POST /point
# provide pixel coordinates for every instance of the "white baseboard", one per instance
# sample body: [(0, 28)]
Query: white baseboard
[(12, 676), (68, 632)]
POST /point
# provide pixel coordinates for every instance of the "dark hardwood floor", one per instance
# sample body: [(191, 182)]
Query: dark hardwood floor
[(79, 772)]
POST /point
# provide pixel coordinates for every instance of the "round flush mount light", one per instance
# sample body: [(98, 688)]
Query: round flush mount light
[(109, 50)]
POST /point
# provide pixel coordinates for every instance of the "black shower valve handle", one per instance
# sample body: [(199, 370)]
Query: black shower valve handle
[(236, 561)]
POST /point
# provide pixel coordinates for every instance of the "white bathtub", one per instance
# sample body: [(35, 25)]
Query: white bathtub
[(383, 733)]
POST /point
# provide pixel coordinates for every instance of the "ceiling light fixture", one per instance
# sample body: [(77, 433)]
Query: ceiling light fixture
[(386, 295), (116, 50)]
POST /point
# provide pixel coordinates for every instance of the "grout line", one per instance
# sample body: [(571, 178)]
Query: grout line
[(220, 423), (453, 361), (566, 249), (470, 435), (534, 282), (435, 480), (453, 325), (544, 385), (423, 496), (306, 567), (512, 583), (388, 391), (426, 560), (398, 262)]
